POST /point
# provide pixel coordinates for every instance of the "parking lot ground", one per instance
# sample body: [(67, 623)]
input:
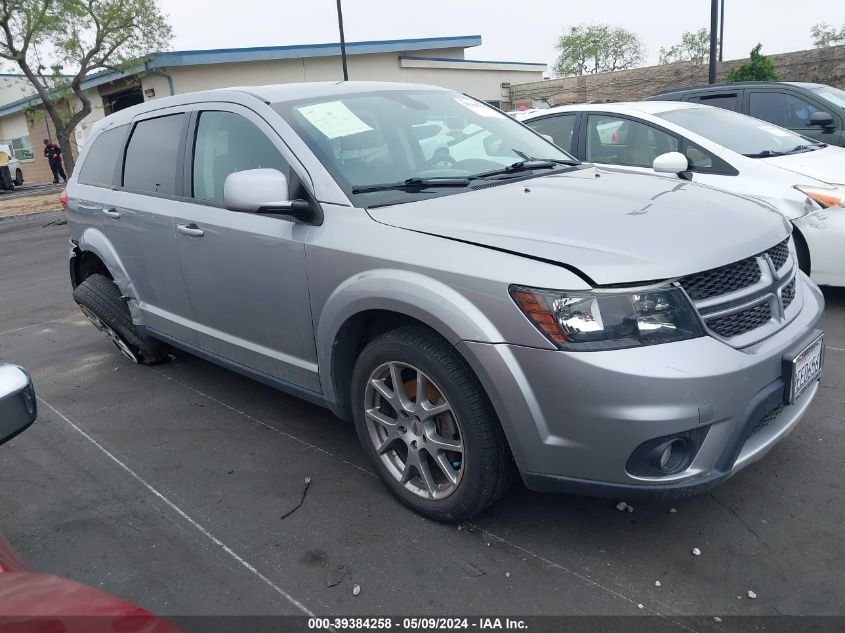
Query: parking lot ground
[(167, 486)]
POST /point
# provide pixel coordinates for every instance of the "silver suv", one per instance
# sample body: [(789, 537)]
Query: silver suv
[(480, 305)]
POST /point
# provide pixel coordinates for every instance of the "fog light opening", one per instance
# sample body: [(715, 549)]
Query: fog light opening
[(672, 455)]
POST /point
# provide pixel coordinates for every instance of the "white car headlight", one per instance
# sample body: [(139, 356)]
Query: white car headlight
[(824, 196)]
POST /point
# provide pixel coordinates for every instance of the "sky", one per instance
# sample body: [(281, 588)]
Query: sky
[(511, 30)]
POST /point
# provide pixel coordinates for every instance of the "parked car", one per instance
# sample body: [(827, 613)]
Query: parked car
[(813, 110), (14, 165), (803, 180), (603, 332), (30, 601)]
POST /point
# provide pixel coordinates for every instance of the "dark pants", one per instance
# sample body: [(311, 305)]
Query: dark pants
[(58, 170)]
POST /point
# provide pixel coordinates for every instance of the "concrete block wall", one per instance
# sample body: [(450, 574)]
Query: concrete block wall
[(822, 65)]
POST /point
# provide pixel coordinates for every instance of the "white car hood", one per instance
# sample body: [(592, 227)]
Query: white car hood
[(613, 227), (826, 164)]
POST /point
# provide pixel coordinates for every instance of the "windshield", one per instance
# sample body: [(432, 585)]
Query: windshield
[(425, 143), (831, 94), (740, 133)]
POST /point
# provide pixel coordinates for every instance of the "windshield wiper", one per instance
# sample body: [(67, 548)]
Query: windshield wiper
[(415, 183), (769, 153), (766, 153), (529, 163)]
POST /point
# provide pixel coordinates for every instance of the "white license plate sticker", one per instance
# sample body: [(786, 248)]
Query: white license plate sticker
[(806, 368)]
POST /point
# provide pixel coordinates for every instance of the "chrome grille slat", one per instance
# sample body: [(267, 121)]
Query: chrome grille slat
[(750, 295)]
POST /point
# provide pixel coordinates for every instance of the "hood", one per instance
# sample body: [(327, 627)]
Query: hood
[(826, 164), (613, 227)]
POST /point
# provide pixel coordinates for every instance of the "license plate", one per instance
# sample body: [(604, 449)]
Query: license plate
[(806, 369)]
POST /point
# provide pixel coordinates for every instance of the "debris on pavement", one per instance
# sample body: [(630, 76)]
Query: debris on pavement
[(751, 594), (356, 590), (716, 618), (696, 551), (640, 606), (301, 499), (657, 583), (507, 574), (672, 510), (621, 506), (334, 575)]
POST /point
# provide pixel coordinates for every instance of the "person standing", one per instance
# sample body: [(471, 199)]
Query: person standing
[(53, 154)]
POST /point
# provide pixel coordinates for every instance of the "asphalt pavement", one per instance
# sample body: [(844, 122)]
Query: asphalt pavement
[(167, 486)]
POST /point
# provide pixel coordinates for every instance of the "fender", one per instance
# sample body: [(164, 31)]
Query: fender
[(430, 301), (93, 240)]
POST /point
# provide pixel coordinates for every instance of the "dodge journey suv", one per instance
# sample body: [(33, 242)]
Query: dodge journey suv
[(479, 302)]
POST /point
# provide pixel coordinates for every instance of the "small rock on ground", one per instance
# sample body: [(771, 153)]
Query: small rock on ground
[(356, 590), (696, 551)]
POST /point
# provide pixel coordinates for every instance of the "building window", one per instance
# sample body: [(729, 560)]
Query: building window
[(21, 147)]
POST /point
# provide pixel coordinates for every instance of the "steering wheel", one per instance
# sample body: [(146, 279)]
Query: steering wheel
[(441, 157)]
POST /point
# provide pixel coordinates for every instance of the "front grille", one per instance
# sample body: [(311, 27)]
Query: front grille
[(779, 254), (788, 294), (720, 281), (767, 419), (741, 322)]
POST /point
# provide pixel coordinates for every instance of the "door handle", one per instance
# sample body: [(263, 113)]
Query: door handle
[(111, 213), (190, 229)]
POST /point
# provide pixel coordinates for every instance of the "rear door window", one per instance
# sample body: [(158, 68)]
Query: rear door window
[(559, 127), (104, 158), (726, 101), (152, 156)]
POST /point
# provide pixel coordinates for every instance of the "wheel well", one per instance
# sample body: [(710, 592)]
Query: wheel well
[(351, 338), (804, 261), (87, 264)]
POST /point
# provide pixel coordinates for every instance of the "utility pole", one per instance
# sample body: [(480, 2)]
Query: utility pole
[(343, 41), (714, 27), (721, 29)]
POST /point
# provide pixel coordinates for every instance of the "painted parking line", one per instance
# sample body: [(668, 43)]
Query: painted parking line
[(228, 550), (835, 349), (486, 533), (26, 327)]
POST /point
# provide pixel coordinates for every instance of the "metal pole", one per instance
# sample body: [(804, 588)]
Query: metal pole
[(721, 29), (342, 42), (714, 26)]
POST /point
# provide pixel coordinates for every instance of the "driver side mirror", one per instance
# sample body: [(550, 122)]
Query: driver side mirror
[(822, 119), (670, 163), (263, 191), (17, 402)]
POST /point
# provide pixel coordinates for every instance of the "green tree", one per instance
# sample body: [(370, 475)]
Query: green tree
[(825, 35), (85, 36), (596, 48), (760, 68), (694, 47)]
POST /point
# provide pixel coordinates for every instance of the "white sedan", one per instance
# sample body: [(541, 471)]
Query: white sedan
[(803, 179)]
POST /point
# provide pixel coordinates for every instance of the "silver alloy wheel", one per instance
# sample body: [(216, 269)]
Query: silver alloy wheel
[(414, 430), (115, 338)]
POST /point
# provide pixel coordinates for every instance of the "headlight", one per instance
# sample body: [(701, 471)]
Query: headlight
[(593, 321), (826, 197)]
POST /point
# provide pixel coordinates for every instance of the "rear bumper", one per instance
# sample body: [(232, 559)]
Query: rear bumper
[(573, 419)]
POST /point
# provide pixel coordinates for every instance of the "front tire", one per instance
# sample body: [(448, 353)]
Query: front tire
[(427, 425), (99, 299)]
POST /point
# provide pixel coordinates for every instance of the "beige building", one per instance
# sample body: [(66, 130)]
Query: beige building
[(440, 61)]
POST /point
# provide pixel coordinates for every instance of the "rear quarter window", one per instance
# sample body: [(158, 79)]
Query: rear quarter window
[(101, 166)]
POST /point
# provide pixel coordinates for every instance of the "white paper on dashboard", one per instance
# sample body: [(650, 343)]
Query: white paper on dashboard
[(334, 119)]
